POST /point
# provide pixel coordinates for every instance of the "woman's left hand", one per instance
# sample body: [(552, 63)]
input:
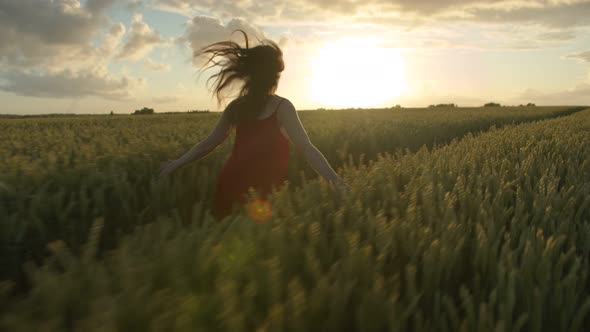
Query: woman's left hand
[(341, 189), (168, 167)]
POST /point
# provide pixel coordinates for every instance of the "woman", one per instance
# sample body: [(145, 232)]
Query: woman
[(264, 123)]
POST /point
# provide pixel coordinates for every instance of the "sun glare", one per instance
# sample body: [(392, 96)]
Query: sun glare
[(356, 72)]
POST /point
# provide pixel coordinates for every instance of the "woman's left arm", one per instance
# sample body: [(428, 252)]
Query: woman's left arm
[(201, 149)]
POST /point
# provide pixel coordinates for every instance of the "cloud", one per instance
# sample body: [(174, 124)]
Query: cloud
[(554, 13), (155, 66), (134, 5), (112, 40), (55, 34), (557, 36), (53, 22), (578, 95), (584, 56), (142, 39), (181, 87), (69, 84), (283, 41), (184, 7), (521, 37), (60, 49), (97, 6), (165, 99)]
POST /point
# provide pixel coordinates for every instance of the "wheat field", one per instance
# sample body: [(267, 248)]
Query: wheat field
[(458, 220)]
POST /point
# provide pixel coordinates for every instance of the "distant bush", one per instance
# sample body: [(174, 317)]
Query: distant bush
[(530, 105), (492, 105), (443, 105), (144, 110)]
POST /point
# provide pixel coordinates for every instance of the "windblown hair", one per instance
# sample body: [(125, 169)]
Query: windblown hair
[(257, 68)]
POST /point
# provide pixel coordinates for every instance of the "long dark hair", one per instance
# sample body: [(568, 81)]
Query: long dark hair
[(258, 68)]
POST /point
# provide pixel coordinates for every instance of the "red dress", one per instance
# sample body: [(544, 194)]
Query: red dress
[(259, 159)]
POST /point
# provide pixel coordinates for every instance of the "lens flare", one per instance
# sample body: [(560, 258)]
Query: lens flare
[(259, 210)]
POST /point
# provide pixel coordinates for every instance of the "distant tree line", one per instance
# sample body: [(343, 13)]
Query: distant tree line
[(49, 115), (144, 111), (444, 105), (492, 104), (147, 110), (11, 116), (341, 109), (185, 112)]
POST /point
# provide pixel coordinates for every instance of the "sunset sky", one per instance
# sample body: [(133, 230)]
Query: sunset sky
[(94, 56)]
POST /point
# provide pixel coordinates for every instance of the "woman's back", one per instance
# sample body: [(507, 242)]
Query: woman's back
[(259, 159)]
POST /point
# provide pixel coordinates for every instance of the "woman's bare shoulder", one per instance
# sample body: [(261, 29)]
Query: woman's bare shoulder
[(286, 111), (283, 103)]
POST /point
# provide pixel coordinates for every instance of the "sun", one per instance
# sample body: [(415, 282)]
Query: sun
[(356, 72)]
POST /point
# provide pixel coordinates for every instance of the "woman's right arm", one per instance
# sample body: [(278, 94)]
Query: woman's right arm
[(289, 119)]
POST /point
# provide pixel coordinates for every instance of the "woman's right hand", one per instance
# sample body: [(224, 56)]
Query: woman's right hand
[(168, 167)]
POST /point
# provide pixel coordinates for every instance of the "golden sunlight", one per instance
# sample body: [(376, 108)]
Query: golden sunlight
[(356, 72)]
